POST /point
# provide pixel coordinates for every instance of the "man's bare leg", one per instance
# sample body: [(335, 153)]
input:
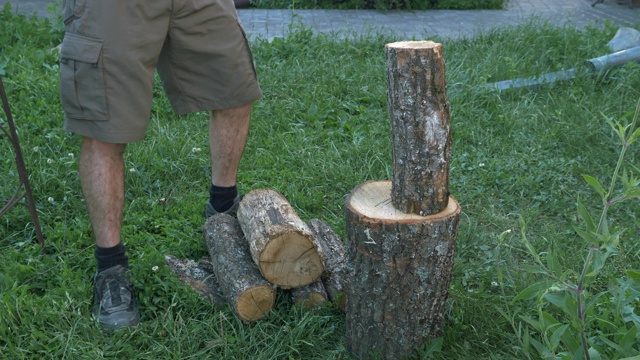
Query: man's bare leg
[(228, 130), (101, 171)]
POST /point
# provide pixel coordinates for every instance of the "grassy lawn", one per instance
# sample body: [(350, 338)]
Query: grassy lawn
[(322, 129)]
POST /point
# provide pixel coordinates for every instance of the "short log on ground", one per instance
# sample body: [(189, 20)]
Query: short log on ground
[(198, 275), (402, 265), (247, 292), (333, 255), (281, 244), (420, 126), (311, 295)]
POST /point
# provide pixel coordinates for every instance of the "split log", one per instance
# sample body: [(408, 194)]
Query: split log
[(247, 292), (402, 266), (198, 276), (333, 254), (420, 126), (281, 244), (311, 295)]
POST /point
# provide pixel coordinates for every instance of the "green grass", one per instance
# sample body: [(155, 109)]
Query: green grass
[(321, 129)]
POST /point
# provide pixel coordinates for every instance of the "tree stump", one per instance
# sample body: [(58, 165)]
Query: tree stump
[(333, 252), (281, 244), (420, 126), (247, 292), (402, 265)]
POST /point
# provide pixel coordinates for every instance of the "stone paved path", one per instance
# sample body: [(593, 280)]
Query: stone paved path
[(407, 25)]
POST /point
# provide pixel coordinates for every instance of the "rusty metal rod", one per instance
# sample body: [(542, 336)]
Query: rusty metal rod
[(22, 169)]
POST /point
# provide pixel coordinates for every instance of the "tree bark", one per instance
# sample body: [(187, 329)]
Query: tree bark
[(280, 243), (401, 267), (333, 255), (198, 276), (242, 285), (420, 126)]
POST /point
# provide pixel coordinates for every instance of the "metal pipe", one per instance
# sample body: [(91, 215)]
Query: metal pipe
[(595, 65), (612, 60)]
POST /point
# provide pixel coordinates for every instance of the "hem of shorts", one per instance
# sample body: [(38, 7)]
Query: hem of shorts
[(187, 107), (112, 138)]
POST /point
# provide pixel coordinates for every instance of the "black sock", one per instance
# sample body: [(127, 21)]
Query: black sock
[(221, 198), (109, 257)]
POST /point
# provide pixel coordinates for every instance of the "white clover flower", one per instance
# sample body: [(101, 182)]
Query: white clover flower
[(50, 161), (494, 283), (196, 150), (155, 268), (36, 148), (70, 155), (481, 165), (132, 170), (51, 200)]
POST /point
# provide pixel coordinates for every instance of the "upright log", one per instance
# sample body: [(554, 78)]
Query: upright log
[(401, 234), (420, 126), (240, 281), (281, 243)]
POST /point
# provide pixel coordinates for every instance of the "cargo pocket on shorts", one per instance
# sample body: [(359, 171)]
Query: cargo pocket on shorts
[(82, 86)]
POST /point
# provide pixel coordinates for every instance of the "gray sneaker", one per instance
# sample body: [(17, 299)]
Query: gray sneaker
[(209, 211), (114, 304)]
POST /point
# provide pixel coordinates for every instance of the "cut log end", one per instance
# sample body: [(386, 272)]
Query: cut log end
[(311, 295), (252, 304), (373, 200), (291, 261), (425, 44)]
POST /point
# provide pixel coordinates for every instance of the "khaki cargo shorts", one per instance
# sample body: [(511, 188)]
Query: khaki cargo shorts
[(111, 49)]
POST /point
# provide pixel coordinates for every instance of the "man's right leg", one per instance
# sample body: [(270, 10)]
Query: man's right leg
[(101, 171)]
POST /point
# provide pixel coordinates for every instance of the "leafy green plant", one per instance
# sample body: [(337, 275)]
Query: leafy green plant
[(597, 320)]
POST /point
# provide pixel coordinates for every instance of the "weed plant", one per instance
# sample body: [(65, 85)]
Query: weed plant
[(321, 130)]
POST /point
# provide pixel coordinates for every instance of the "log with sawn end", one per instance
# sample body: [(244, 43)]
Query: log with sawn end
[(281, 244), (247, 292), (333, 253)]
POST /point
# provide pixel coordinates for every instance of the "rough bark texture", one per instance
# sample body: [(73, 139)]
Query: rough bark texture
[(333, 255), (198, 275), (401, 267), (241, 283), (311, 295), (281, 244), (420, 126)]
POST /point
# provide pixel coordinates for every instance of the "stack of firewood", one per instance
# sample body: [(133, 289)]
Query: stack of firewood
[(266, 247)]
